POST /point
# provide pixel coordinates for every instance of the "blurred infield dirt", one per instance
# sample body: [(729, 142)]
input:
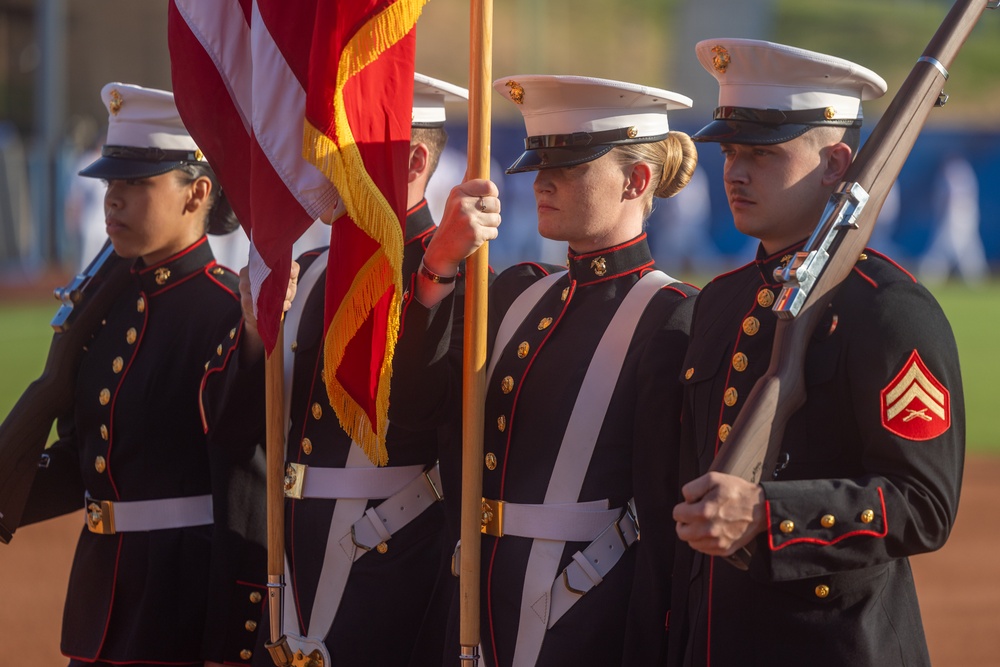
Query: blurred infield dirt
[(958, 585)]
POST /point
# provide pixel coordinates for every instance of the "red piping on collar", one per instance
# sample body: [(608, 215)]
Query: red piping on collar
[(605, 251)]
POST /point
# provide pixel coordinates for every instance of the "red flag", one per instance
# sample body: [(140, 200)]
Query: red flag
[(292, 102)]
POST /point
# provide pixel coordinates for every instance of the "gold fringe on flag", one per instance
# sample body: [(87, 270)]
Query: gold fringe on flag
[(342, 164)]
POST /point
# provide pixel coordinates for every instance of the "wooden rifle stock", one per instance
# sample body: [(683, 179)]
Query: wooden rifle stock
[(25, 431), (751, 450)]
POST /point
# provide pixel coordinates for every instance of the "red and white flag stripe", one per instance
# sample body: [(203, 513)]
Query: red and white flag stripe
[(238, 73)]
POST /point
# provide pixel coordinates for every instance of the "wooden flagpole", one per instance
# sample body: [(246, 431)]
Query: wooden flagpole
[(274, 393), (474, 355)]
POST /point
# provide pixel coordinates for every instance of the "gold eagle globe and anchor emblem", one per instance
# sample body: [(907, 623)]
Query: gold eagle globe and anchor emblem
[(720, 59), (516, 92), (115, 105), (94, 516), (492, 518)]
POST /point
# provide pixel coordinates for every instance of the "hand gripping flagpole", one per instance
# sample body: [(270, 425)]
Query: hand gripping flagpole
[(474, 354)]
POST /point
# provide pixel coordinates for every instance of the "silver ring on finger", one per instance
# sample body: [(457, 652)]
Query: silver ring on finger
[(481, 205)]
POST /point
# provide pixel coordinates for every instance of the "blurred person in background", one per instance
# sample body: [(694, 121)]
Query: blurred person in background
[(84, 212), (957, 247), (680, 230)]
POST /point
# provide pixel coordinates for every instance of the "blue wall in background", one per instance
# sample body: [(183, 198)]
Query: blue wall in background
[(908, 237)]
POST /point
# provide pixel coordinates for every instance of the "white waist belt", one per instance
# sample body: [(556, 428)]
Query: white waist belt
[(380, 523), (107, 517), (590, 566), (302, 481), (564, 522), (350, 539)]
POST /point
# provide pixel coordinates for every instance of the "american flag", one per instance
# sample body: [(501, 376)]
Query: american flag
[(298, 106)]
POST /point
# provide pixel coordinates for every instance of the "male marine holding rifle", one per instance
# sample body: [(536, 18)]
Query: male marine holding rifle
[(870, 467)]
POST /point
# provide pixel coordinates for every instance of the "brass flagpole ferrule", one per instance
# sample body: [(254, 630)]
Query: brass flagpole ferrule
[(469, 656)]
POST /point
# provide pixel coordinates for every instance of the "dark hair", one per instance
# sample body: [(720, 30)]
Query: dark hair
[(435, 139), (220, 219), (672, 161)]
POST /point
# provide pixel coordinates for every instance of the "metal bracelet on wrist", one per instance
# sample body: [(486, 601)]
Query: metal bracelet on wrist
[(433, 277)]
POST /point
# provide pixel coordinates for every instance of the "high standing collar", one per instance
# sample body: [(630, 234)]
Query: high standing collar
[(768, 264), (172, 270), (594, 267)]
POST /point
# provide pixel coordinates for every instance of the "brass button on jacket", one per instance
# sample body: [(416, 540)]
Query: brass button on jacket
[(731, 396), (740, 361)]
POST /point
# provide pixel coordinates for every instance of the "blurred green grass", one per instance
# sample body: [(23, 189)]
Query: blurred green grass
[(974, 314)]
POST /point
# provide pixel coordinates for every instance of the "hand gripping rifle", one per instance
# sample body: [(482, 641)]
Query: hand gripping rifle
[(23, 434), (813, 276)]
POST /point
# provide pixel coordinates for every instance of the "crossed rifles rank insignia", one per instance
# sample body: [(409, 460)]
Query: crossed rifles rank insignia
[(915, 405)]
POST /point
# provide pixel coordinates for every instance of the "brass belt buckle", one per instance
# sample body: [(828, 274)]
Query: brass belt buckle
[(492, 518), (295, 478), (314, 659), (100, 516)]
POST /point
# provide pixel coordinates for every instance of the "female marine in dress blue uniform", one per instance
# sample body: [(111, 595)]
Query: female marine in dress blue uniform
[(582, 405), (134, 445)]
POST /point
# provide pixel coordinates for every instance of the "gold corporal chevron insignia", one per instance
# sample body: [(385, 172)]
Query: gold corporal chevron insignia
[(914, 385), (915, 404)]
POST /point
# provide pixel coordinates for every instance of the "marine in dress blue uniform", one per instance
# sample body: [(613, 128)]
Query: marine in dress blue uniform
[(389, 583), (539, 376), (870, 467), (134, 446)]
